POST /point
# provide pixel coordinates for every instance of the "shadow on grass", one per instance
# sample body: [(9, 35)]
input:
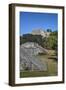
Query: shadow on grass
[(53, 57)]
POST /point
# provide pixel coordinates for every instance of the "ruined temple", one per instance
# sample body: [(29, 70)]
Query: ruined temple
[(41, 32), (28, 59)]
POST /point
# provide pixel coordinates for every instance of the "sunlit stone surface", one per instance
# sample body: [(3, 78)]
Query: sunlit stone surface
[(28, 59)]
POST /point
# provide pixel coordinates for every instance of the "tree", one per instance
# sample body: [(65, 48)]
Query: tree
[(49, 30), (51, 41), (31, 38)]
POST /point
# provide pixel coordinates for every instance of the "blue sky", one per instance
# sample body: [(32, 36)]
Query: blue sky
[(30, 21)]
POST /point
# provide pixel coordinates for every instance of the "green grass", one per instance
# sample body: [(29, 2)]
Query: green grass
[(33, 73), (52, 67)]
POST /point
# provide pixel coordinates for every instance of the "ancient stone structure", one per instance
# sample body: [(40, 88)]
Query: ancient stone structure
[(28, 59), (40, 32)]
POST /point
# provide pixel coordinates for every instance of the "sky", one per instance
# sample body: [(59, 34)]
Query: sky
[(30, 21)]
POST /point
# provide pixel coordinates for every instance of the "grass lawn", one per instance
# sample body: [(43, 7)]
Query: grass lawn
[(51, 63), (33, 73)]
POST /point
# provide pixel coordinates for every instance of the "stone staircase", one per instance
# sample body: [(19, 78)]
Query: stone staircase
[(28, 58)]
